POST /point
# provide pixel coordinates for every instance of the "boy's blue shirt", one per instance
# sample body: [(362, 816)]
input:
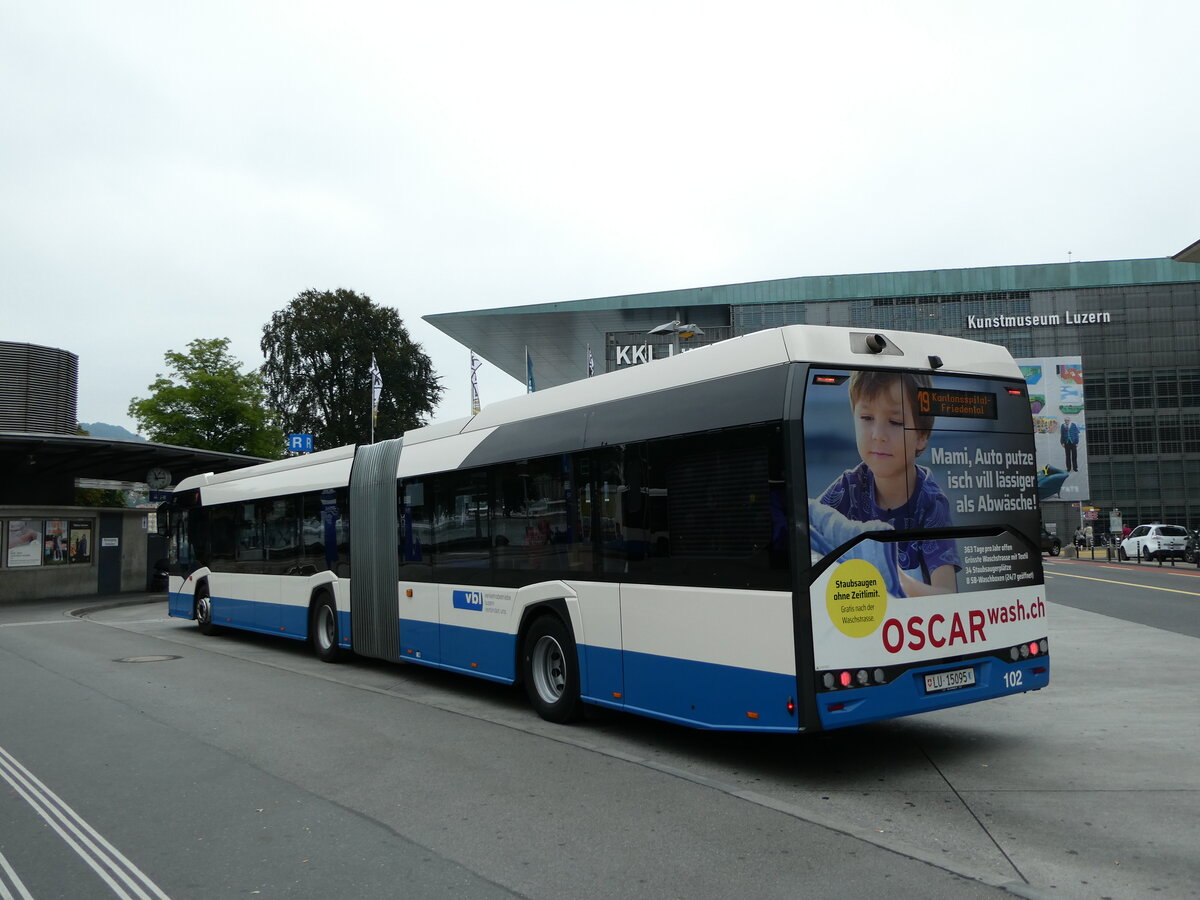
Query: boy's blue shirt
[(853, 495)]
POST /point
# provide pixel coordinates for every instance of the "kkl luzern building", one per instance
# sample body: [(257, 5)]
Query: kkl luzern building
[(1110, 351)]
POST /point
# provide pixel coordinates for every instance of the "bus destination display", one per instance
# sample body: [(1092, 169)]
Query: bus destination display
[(957, 404)]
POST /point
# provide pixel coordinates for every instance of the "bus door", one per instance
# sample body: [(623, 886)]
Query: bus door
[(418, 602)]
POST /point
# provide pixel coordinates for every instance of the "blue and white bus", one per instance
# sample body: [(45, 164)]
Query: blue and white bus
[(800, 529)]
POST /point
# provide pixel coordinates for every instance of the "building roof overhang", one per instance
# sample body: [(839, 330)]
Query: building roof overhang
[(81, 456), (557, 334), (1189, 254)]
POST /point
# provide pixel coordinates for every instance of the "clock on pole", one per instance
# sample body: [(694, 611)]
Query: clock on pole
[(158, 478)]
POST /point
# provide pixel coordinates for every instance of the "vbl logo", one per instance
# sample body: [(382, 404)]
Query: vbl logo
[(468, 600)]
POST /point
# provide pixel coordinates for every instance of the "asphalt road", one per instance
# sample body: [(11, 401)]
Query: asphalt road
[(244, 767), (1161, 595)]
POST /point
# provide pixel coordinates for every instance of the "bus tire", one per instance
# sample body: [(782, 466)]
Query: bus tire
[(202, 610), (324, 629), (550, 669)]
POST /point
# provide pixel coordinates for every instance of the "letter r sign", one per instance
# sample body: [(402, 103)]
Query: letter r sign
[(299, 443)]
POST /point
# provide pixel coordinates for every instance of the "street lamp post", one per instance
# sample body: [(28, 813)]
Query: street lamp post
[(677, 329)]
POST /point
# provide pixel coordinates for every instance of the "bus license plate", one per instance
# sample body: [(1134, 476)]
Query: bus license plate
[(948, 681)]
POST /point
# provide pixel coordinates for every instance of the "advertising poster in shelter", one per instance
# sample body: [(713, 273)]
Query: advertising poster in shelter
[(24, 543), (81, 542), (55, 546), (1060, 426)]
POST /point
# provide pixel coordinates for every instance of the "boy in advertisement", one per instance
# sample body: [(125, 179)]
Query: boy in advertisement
[(888, 486)]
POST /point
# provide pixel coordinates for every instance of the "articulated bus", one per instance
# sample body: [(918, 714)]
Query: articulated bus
[(799, 529)]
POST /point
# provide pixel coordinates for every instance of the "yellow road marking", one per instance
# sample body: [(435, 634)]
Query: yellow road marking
[(1148, 587)]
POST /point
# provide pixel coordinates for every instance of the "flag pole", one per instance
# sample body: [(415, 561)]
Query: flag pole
[(376, 390), (476, 362)]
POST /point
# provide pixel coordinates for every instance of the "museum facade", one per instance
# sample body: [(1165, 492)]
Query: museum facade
[(1110, 351)]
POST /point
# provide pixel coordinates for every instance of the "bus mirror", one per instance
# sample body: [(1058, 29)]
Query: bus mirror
[(163, 520)]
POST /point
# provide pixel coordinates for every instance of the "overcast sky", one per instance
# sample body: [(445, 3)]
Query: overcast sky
[(171, 171)]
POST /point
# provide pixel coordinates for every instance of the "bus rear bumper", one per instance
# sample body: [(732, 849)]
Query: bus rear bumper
[(908, 694)]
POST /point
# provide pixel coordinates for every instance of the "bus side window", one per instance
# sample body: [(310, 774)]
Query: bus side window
[(609, 508), (249, 533), (415, 532), (280, 530), (722, 517), (313, 533), (222, 533), (537, 524), (461, 528)]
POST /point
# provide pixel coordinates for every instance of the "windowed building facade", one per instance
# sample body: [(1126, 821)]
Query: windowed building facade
[(1123, 336)]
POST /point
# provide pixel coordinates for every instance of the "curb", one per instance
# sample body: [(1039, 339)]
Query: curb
[(136, 600)]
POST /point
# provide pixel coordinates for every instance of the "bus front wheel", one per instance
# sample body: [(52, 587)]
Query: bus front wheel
[(551, 671), (324, 630), (203, 611)]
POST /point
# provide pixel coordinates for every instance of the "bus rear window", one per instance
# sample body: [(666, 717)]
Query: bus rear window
[(924, 454)]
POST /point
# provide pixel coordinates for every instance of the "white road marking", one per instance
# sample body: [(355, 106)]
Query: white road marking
[(92, 848), (11, 878)]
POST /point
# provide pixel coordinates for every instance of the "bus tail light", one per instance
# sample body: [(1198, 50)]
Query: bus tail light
[(1024, 651), (835, 681)]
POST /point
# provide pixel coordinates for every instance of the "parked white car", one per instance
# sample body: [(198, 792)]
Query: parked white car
[(1155, 542)]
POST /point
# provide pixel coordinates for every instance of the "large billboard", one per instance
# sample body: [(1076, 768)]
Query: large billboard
[(1060, 428), (945, 459)]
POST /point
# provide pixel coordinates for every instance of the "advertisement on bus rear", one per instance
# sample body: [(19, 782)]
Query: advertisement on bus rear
[(905, 470), (856, 623)]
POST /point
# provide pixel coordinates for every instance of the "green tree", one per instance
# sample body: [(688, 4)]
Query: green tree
[(99, 497), (209, 404), (318, 369), (96, 497)]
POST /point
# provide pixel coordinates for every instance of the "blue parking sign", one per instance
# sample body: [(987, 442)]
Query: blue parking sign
[(299, 443)]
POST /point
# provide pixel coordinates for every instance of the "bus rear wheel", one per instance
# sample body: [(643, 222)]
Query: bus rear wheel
[(551, 671), (324, 630)]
